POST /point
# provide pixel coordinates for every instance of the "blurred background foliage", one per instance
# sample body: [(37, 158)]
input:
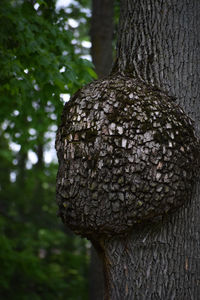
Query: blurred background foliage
[(43, 53)]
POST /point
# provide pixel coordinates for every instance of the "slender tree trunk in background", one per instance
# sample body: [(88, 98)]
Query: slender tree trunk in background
[(159, 42), (101, 37), (22, 158), (38, 191), (96, 280), (40, 156)]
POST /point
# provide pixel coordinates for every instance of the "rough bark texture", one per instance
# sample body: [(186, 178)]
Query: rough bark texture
[(161, 45), (158, 46), (127, 155), (102, 35), (159, 42)]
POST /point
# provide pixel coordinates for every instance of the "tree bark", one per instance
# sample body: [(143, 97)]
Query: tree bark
[(123, 149), (159, 43)]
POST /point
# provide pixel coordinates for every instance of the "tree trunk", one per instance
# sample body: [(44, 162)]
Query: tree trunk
[(159, 43), (96, 280), (102, 35), (123, 149), (102, 49)]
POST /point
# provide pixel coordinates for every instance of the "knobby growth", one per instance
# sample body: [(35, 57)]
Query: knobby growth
[(127, 155)]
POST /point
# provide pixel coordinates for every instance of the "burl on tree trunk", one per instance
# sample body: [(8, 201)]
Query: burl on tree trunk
[(128, 157)]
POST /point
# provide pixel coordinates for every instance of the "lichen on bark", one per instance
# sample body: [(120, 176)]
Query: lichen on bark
[(127, 155)]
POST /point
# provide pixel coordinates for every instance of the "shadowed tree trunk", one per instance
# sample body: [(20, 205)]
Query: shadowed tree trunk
[(127, 161), (102, 35), (101, 38), (96, 280)]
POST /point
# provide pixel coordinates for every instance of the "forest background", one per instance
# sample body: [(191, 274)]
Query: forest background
[(44, 53)]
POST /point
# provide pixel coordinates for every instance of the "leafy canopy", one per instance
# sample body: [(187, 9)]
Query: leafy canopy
[(38, 62)]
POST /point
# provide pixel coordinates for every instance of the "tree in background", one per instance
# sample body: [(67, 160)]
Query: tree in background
[(102, 35), (102, 28), (38, 61), (149, 247)]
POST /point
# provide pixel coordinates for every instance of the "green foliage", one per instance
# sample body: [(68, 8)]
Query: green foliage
[(39, 258), (41, 264), (37, 63)]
